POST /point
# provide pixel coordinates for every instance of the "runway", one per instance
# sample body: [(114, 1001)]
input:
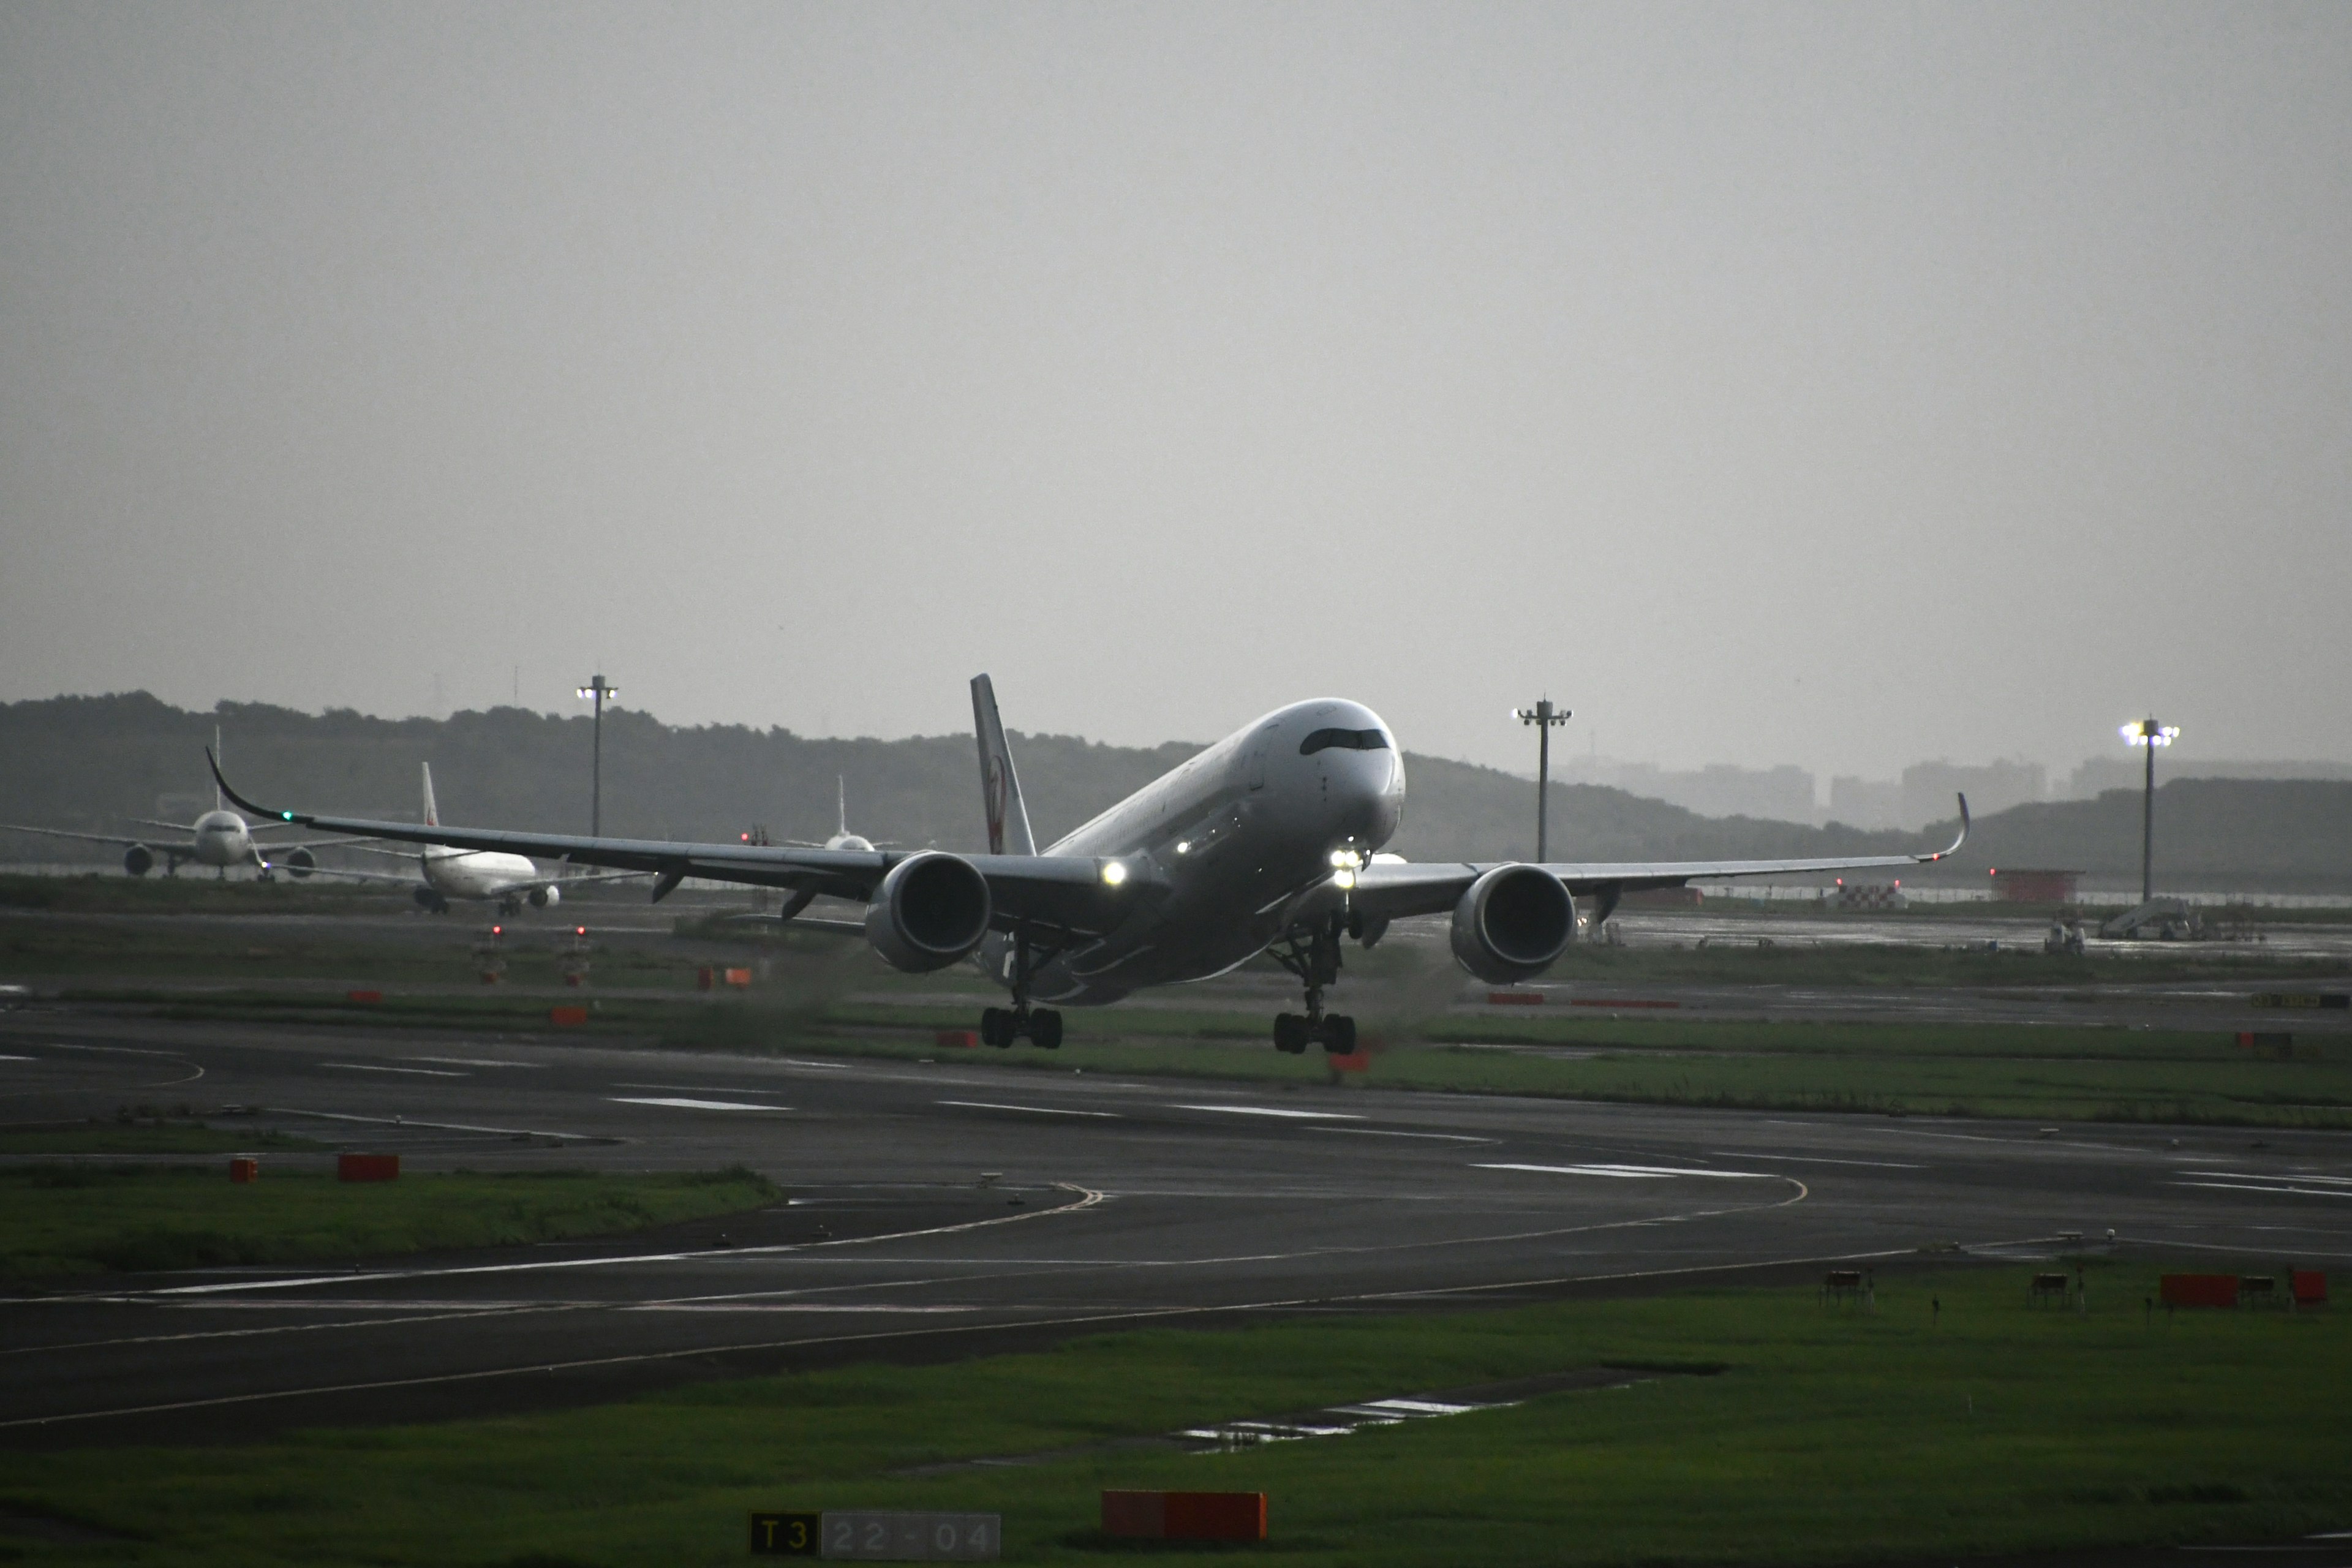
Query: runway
[(964, 1205)]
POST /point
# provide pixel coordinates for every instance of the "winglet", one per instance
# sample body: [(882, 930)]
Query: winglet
[(230, 790), (1954, 847)]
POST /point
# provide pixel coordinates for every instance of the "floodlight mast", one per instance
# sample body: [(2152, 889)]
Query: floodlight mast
[(2148, 735), (1543, 716), (597, 690)]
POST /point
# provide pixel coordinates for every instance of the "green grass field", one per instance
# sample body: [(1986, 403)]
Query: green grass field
[(1823, 1435), (153, 1137), (63, 1220)]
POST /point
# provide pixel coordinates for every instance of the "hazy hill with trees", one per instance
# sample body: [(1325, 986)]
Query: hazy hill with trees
[(95, 763)]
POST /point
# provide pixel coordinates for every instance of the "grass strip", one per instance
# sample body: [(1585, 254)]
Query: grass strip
[(63, 1220), (1982, 1424)]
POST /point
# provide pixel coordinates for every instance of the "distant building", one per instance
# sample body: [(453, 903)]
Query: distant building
[(1865, 803), (1928, 789), (2097, 776), (1784, 794)]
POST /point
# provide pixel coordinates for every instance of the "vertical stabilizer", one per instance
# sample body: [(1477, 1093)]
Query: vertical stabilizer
[(218, 803), (841, 801), (1000, 783), (432, 816)]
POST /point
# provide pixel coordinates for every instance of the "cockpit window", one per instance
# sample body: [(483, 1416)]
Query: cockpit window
[(1351, 740)]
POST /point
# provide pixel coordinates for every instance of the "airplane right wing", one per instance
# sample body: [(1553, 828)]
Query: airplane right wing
[(1394, 890), (1079, 895), (183, 844)]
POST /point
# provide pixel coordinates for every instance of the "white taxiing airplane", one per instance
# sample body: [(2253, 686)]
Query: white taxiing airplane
[(1265, 842), (475, 876)]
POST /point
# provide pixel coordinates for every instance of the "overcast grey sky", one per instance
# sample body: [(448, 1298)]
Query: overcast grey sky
[(1843, 385)]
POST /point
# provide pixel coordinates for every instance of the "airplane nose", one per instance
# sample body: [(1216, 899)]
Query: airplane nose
[(1366, 797)]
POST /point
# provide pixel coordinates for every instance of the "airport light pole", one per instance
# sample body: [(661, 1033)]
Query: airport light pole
[(2148, 735), (596, 690), (1543, 716)]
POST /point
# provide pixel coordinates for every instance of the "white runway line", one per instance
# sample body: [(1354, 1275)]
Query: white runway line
[(18, 1058), (698, 1088), (370, 1066), (1276, 1110), (2253, 1187), (480, 1062), (1814, 1160), (2270, 1177), (1638, 1172), (1032, 1109), (1384, 1133), (679, 1104)]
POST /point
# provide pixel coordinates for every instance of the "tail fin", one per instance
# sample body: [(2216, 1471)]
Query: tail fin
[(841, 799), (218, 805), (432, 816), (1000, 783)]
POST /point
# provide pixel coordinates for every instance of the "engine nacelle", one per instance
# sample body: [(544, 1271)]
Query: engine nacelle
[(931, 911), (545, 897), (1512, 923), (299, 863), (139, 861)]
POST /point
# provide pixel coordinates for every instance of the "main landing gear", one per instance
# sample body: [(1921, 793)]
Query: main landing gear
[(999, 1027), (1040, 1026), (1314, 958)]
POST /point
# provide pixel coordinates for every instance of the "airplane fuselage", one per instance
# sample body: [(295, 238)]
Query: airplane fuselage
[(1225, 842), (223, 839), (475, 873)]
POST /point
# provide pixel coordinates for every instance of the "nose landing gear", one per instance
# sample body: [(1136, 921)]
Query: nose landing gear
[(1314, 958), (1041, 1027)]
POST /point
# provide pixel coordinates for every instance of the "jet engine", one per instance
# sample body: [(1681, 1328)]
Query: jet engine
[(139, 861), (1512, 923), (300, 863), (546, 896), (929, 911)]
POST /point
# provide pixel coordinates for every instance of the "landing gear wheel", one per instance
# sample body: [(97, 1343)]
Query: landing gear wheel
[(996, 1027), (1289, 1033), (1045, 1029), (1340, 1035)]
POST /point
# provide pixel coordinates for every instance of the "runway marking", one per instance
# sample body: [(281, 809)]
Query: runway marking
[(678, 1104), (1132, 1314), (481, 1062), (370, 1066), (1033, 1110), (2251, 1187), (430, 1126), (1639, 1172), (1815, 1159), (136, 1051), (19, 1058), (486, 1309), (698, 1088), (1090, 1198), (1276, 1110), (836, 1308), (2270, 1176), (1384, 1133)]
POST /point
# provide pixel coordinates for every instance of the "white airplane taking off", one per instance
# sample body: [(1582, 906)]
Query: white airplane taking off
[(476, 874), (1263, 843), (218, 838)]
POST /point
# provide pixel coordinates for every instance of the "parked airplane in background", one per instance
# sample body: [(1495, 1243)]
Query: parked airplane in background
[(1265, 842), (842, 837), (218, 838), (476, 874)]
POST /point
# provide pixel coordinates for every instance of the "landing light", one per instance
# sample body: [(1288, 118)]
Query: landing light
[(1183, 847), (1113, 873), (1346, 860), (1344, 881)]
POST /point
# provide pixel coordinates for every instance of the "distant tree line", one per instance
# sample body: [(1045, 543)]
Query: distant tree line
[(95, 763)]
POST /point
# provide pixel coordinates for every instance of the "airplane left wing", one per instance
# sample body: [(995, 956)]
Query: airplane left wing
[(1067, 893), (1388, 889)]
